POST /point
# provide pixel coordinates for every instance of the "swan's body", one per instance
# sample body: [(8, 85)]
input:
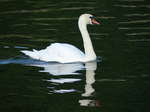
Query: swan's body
[(66, 53), (59, 55)]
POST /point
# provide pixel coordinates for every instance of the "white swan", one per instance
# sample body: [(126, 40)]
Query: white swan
[(66, 53)]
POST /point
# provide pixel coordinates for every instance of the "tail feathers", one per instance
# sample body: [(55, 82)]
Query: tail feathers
[(32, 54)]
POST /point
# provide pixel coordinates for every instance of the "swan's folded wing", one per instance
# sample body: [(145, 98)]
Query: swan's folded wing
[(62, 53), (65, 53)]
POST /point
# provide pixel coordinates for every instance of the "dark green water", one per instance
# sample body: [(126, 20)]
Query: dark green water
[(117, 82)]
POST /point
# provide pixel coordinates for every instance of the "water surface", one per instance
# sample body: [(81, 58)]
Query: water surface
[(117, 82)]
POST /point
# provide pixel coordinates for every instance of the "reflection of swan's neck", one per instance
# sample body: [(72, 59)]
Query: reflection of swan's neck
[(90, 79), (88, 47)]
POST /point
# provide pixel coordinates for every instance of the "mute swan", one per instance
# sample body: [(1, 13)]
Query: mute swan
[(66, 53)]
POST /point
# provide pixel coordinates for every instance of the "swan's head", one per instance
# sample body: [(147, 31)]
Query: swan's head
[(87, 19)]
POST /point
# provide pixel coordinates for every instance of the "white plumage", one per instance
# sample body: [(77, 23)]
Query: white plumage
[(57, 52)]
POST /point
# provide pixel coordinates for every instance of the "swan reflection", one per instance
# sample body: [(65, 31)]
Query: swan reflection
[(58, 69), (90, 79)]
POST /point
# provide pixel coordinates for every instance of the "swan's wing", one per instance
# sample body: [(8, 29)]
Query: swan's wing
[(67, 50), (64, 53)]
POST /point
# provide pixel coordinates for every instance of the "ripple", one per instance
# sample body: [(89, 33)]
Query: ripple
[(14, 35), (141, 33), (105, 17), (6, 47), (129, 28), (43, 24), (20, 47), (26, 11), (77, 8), (99, 34), (138, 21), (133, 6), (137, 15), (42, 40), (126, 5), (22, 60), (137, 40), (19, 24)]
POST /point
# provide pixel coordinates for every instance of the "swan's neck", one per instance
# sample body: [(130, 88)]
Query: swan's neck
[(88, 47)]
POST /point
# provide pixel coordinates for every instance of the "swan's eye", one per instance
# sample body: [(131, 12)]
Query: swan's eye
[(91, 17)]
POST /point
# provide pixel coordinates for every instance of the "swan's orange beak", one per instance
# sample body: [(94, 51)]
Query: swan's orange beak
[(95, 22)]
